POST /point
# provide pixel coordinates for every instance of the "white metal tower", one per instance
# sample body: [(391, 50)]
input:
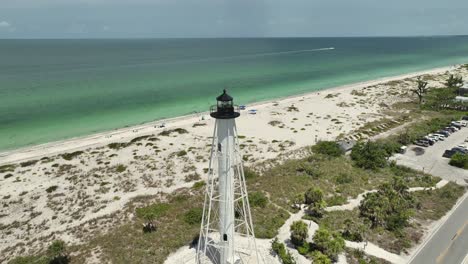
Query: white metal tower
[(226, 233)]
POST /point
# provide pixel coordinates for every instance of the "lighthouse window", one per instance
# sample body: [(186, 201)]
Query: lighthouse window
[(219, 147), (225, 237)]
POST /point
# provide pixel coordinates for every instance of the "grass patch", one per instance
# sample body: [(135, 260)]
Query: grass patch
[(436, 203)]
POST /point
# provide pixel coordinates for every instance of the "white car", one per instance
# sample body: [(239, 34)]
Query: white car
[(463, 123), (440, 136)]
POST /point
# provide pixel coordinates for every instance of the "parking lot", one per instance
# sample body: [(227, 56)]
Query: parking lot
[(430, 160)]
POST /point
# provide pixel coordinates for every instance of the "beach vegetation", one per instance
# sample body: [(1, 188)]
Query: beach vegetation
[(175, 130), (57, 253), (329, 148), (28, 163), (117, 146), (140, 138), (454, 81), (320, 258), (51, 188), (258, 199), (459, 160), (299, 233), (120, 168), (369, 155), (70, 156), (274, 123), (314, 199), (194, 216), (199, 124), (199, 184), (421, 89), (7, 168), (282, 252), (390, 207), (181, 153), (329, 243), (192, 177), (292, 108), (9, 175)]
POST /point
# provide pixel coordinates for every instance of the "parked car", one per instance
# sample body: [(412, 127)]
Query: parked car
[(434, 140), (463, 123), (460, 150), (440, 136), (443, 132), (422, 143), (451, 129), (456, 125), (465, 118), (448, 153)]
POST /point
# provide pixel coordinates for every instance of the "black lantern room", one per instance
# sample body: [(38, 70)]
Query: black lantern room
[(225, 109)]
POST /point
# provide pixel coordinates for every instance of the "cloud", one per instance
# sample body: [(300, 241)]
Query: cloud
[(4, 24)]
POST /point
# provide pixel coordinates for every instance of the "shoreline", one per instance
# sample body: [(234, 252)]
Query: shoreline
[(120, 134)]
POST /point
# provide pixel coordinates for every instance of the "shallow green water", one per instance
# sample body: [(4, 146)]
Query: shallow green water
[(56, 89)]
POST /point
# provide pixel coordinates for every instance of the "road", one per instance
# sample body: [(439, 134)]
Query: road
[(449, 244)]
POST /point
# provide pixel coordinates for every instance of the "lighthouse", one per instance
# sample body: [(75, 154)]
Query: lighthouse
[(226, 232)]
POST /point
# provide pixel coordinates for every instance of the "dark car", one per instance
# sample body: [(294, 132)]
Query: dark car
[(448, 153), (443, 132), (451, 129), (465, 118), (428, 141), (456, 125), (460, 150)]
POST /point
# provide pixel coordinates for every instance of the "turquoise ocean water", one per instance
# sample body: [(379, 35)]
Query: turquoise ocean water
[(57, 89)]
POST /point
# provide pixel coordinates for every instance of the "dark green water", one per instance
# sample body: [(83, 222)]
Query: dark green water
[(56, 89)]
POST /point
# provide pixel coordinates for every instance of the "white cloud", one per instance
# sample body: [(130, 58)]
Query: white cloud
[(4, 24)]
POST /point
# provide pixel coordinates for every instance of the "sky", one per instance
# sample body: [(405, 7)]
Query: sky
[(230, 18)]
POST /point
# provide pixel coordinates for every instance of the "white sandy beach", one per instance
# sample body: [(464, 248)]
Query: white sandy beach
[(101, 180)]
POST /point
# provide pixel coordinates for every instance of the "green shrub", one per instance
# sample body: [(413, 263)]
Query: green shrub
[(320, 258), (28, 163), (117, 146), (283, 254), (51, 189), (369, 155), (249, 174), (120, 168), (459, 160), (140, 138), (304, 248), (70, 156), (198, 184), (181, 153), (299, 233), (329, 243), (258, 199), (170, 131), (7, 168), (329, 148), (390, 207), (194, 216)]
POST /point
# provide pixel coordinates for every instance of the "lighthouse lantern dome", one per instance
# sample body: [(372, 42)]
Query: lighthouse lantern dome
[(225, 108)]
